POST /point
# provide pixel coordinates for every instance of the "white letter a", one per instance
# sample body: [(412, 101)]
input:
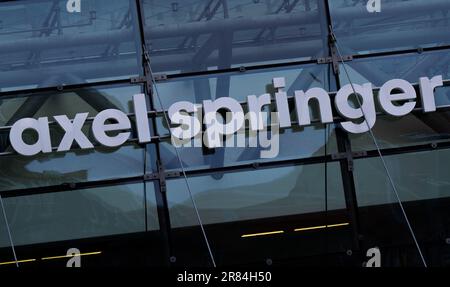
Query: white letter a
[(43, 142)]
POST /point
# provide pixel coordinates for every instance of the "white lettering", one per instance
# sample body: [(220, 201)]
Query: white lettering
[(214, 127), (367, 105), (43, 143), (73, 132), (427, 87), (100, 127), (386, 97)]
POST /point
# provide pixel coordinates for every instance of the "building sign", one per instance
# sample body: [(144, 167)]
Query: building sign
[(112, 127)]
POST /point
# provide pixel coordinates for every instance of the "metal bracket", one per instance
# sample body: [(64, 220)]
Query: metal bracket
[(160, 77), (69, 185), (151, 176), (161, 175), (342, 155), (138, 80), (349, 156), (148, 73), (143, 79), (147, 69), (335, 59)]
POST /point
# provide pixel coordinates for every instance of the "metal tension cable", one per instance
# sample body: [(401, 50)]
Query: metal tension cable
[(335, 42), (9, 231), (152, 78)]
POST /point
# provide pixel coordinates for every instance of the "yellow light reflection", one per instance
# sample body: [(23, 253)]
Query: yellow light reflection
[(67, 256), (18, 261), (262, 233), (322, 226)]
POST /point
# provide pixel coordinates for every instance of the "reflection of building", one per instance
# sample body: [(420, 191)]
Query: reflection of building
[(325, 194)]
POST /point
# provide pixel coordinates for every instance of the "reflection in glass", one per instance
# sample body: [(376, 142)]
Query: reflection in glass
[(151, 206), (240, 85), (78, 165), (19, 172), (42, 44), (76, 214), (255, 194), (90, 100), (410, 67), (399, 25), (421, 180), (6, 253), (194, 35), (418, 176), (412, 129), (295, 142)]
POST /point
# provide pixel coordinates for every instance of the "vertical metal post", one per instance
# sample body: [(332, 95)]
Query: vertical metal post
[(161, 197), (344, 146)]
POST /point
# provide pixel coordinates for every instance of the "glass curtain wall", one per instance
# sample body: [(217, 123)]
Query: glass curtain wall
[(325, 199)]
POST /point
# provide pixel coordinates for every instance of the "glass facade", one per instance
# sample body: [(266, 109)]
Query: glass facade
[(325, 199), (41, 46), (208, 35)]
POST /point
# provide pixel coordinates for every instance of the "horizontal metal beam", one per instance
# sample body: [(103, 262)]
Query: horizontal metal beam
[(225, 169), (14, 77)]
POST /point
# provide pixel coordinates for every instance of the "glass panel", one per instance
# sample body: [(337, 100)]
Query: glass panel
[(42, 44), (236, 85), (399, 25), (295, 142), (415, 128), (192, 35), (278, 214), (151, 206), (6, 253), (224, 197), (414, 181), (410, 67), (78, 165), (47, 104), (422, 183), (18, 172), (410, 130), (76, 214)]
